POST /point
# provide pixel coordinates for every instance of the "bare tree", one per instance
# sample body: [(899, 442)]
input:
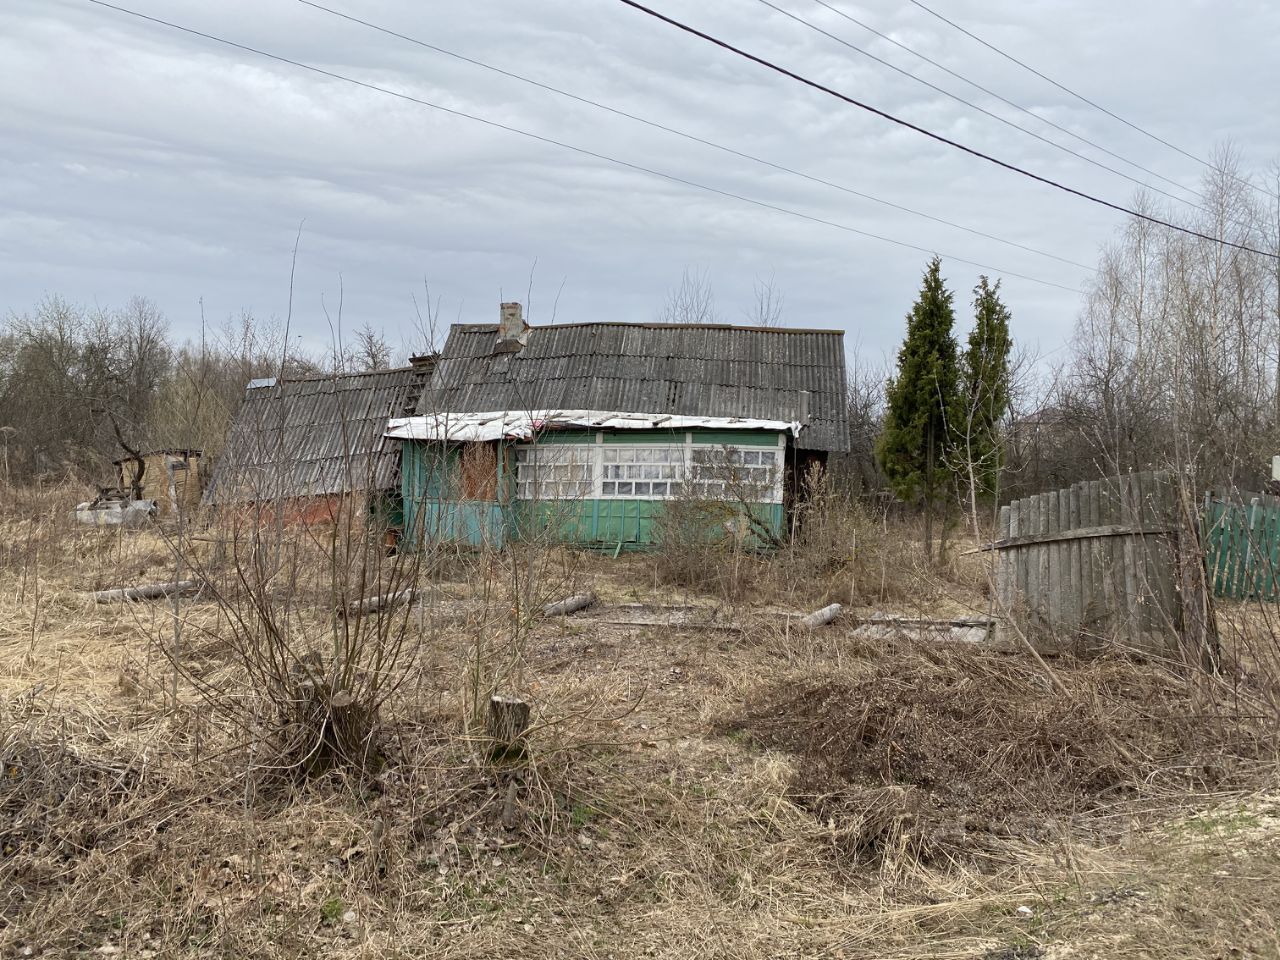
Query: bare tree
[(368, 350), (857, 471), (692, 301), (1175, 357), (766, 305)]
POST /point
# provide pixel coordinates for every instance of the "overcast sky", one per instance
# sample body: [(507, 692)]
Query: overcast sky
[(138, 160)]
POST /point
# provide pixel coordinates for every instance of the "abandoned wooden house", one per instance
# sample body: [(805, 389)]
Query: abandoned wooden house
[(590, 431), (309, 445)]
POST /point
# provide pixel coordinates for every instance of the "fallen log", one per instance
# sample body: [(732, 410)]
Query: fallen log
[(562, 608), (149, 591), (821, 617), (373, 604), (672, 624)]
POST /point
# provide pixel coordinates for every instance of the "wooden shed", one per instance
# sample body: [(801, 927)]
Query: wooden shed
[(305, 446)]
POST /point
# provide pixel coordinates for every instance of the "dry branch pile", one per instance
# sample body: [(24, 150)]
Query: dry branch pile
[(937, 754)]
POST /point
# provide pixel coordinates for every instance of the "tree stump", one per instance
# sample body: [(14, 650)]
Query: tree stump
[(508, 719)]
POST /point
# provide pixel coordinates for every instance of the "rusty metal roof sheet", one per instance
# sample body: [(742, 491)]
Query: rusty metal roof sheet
[(315, 436), (713, 370)]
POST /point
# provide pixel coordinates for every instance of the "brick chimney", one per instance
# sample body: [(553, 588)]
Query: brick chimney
[(511, 328)]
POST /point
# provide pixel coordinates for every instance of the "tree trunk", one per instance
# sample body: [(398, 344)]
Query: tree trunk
[(942, 536), (928, 497), (373, 604), (821, 617)]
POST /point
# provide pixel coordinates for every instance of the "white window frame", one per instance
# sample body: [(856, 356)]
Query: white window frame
[(640, 465), (571, 471)]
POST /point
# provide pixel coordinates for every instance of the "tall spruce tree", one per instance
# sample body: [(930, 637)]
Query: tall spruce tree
[(984, 394), (914, 444)]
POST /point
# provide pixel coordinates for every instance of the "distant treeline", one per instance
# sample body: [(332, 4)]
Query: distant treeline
[(77, 385), (1175, 362)]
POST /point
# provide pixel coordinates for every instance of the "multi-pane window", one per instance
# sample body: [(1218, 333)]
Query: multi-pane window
[(648, 472), (734, 473), (555, 472)]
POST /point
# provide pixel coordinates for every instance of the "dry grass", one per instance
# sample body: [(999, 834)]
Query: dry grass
[(635, 829), (943, 753)]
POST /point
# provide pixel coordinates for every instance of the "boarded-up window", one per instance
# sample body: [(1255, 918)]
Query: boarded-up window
[(478, 479)]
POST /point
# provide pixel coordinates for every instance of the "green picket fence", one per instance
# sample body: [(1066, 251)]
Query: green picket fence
[(1242, 546)]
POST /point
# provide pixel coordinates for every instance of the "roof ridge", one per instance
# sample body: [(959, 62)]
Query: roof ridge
[(334, 375), (646, 325)]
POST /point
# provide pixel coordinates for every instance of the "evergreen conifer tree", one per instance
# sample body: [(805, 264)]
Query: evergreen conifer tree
[(984, 392), (914, 444)]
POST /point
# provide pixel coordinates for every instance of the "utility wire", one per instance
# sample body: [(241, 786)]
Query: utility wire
[(1013, 168), (1005, 100), (971, 105), (690, 136), (1083, 99), (566, 146)]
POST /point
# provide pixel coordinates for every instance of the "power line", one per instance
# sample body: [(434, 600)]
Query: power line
[(1013, 168), (1005, 100), (690, 136), (971, 105), (558, 143), (1083, 99)]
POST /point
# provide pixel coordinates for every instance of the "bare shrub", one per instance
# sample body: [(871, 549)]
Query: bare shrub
[(711, 532), (317, 659), (849, 550), (694, 550)]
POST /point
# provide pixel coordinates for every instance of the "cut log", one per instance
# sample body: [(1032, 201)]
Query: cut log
[(150, 591), (821, 617), (562, 608), (383, 601), (508, 720)]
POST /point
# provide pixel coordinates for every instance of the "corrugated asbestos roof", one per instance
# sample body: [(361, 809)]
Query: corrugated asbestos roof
[(315, 436), (697, 370)]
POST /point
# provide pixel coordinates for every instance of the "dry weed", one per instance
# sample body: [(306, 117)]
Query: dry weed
[(629, 828), (936, 753)]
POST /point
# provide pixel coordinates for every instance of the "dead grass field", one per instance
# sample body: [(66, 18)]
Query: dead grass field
[(727, 788)]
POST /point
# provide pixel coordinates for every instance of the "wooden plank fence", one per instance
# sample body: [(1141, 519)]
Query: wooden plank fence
[(1242, 540), (1097, 563)]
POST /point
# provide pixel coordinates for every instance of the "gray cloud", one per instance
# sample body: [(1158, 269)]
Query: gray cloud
[(137, 160)]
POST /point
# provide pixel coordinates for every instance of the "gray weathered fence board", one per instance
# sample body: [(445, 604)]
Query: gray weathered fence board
[(1094, 561)]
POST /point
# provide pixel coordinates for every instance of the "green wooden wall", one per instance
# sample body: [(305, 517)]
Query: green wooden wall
[(633, 524), (429, 475)]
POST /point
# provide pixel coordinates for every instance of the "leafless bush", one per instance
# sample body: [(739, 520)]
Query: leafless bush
[(318, 656), (846, 549), (710, 533)]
